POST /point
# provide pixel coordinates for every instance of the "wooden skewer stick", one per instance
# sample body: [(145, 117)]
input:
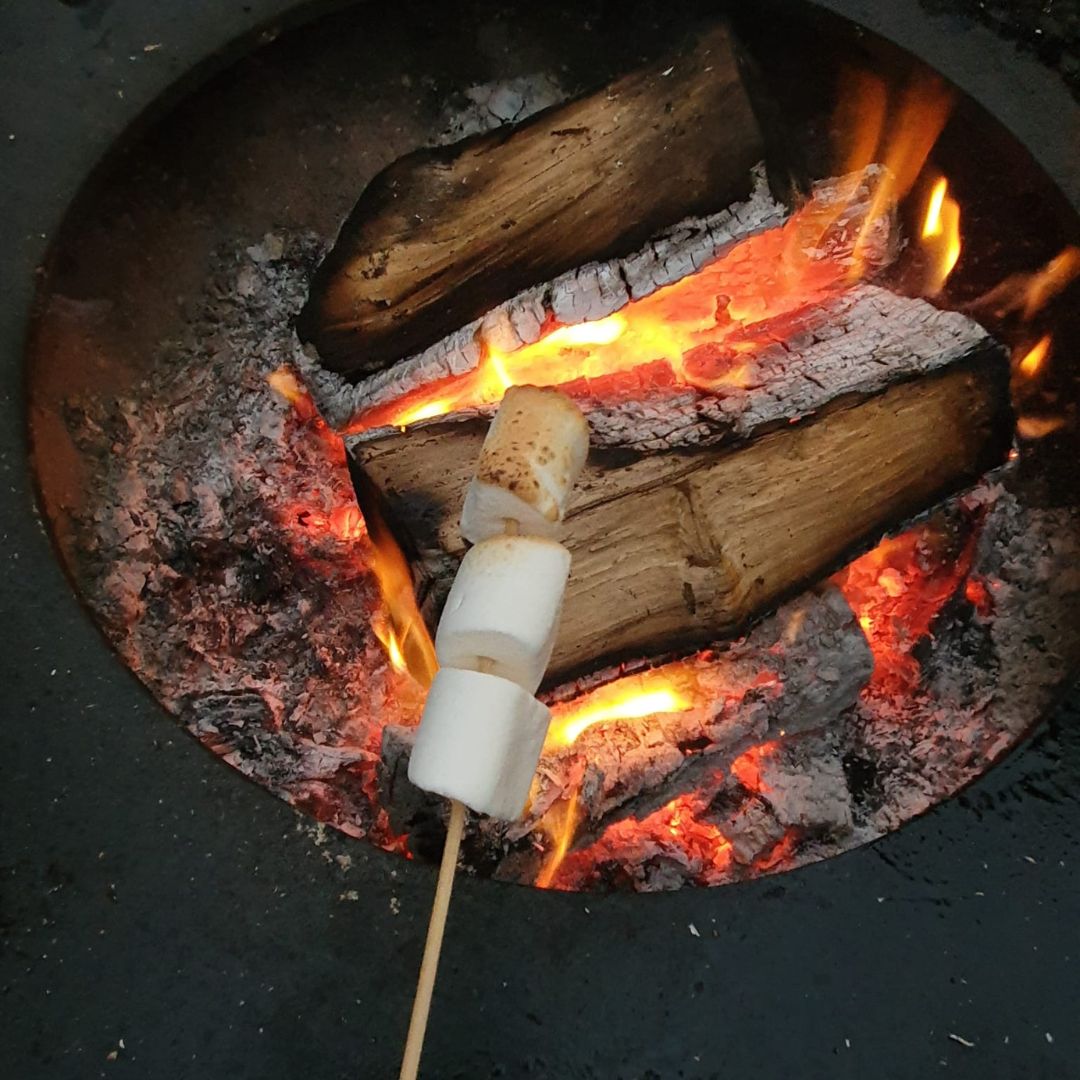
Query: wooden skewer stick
[(440, 906), (425, 986)]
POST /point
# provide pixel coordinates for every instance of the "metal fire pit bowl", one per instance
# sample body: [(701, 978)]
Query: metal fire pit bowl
[(161, 918)]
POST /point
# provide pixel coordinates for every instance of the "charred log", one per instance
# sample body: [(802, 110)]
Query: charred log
[(795, 672), (443, 235)]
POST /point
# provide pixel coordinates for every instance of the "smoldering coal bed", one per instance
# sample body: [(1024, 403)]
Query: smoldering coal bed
[(829, 559)]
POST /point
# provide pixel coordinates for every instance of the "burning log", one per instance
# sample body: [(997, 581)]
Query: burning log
[(628, 746), (745, 264), (795, 672), (443, 235), (741, 821), (733, 530)]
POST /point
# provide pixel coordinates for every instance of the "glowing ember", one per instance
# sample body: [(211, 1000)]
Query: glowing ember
[(940, 237), (677, 829), (668, 689), (782, 853), (746, 768), (896, 590)]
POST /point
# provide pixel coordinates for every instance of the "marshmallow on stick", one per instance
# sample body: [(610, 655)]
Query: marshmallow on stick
[(479, 742), (504, 608), (534, 450), (482, 731)]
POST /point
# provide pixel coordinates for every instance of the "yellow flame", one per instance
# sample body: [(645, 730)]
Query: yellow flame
[(560, 824), (932, 221), (424, 411), (1034, 359), (633, 698), (385, 633), (599, 332), (940, 236)]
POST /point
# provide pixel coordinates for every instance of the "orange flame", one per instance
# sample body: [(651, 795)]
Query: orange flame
[(560, 824), (1033, 361), (1051, 279), (1027, 294), (898, 133), (400, 626), (940, 237), (1038, 427), (669, 689)]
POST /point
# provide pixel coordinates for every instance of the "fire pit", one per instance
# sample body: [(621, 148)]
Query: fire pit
[(823, 569), (213, 926)]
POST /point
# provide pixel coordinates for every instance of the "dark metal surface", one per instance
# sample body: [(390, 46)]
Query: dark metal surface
[(152, 896)]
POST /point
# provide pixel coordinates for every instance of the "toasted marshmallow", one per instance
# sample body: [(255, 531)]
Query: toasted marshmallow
[(535, 448)]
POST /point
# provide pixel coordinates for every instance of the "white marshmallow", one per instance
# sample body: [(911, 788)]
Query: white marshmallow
[(479, 742), (534, 450), (504, 608)]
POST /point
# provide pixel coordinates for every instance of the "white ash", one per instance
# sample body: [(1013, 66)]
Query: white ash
[(252, 625), (805, 787), (204, 549), (495, 104)]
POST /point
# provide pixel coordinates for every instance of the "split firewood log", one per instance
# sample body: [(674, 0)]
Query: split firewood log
[(443, 235), (845, 435)]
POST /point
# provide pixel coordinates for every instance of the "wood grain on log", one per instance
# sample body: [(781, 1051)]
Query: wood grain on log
[(443, 235), (895, 408)]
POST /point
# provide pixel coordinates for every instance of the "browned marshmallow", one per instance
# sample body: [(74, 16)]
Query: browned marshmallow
[(534, 450)]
